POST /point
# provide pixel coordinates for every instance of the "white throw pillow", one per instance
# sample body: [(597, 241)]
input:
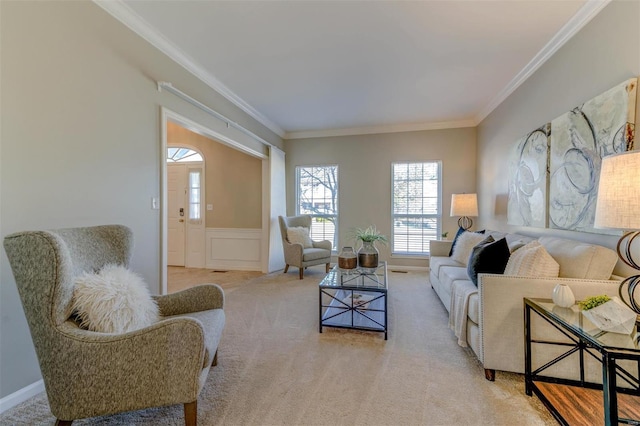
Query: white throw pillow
[(114, 300), (464, 245), (532, 260), (299, 235)]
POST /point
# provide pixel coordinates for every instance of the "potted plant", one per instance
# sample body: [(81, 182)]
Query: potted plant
[(368, 253)]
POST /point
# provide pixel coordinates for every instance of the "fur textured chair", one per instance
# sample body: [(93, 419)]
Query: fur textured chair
[(88, 374), (296, 254)]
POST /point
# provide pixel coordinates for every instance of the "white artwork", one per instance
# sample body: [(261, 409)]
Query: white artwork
[(528, 180), (579, 139)]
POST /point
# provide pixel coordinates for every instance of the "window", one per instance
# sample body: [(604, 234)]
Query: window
[(195, 195), (416, 206), (317, 195), (182, 155)]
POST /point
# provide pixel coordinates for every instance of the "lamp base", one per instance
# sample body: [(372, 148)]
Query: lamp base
[(631, 283), (465, 222)]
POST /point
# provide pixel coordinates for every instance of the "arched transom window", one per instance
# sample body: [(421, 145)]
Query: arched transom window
[(182, 155)]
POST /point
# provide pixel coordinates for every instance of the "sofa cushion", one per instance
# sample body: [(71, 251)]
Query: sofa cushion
[(449, 274), (465, 244), (489, 257), (455, 239), (581, 260), (436, 262), (532, 260)]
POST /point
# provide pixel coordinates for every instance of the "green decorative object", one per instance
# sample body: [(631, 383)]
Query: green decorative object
[(593, 301), (370, 235), (368, 253), (444, 234)]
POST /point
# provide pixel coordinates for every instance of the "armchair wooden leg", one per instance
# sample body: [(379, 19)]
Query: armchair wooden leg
[(301, 272), (63, 422), (286, 268), (327, 267), (191, 413), (215, 360)]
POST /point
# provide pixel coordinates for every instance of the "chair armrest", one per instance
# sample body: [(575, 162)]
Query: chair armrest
[(439, 248), (292, 253), (324, 244), (102, 372), (199, 298), (502, 312)]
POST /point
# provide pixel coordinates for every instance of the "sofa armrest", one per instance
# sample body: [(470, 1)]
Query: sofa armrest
[(439, 248), (324, 244), (194, 299), (502, 313)]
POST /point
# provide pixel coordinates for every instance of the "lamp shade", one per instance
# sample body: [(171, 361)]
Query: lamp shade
[(618, 202), (464, 205)]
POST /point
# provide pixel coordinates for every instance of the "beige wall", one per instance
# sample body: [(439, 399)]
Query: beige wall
[(233, 180), (364, 170), (604, 53), (80, 140)]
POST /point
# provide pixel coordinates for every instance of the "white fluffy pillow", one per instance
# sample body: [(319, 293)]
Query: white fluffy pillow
[(115, 300), (532, 260), (464, 246), (299, 235)]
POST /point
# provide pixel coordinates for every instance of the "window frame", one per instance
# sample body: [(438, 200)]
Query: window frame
[(437, 216), (313, 215)]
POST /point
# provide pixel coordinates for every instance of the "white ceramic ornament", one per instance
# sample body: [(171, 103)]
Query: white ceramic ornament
[(563, 296)]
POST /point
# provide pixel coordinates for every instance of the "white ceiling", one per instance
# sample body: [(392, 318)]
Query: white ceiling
[(307, 68)]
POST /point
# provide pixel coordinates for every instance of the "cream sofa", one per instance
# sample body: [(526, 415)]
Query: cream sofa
[(494, 312)]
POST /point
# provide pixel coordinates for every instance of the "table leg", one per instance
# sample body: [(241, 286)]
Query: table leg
[(609, 390)]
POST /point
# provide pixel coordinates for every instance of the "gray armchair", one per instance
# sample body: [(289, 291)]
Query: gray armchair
[(295, 254), (88, 374)]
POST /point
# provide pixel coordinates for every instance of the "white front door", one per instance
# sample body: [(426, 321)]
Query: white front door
[(176, 213)]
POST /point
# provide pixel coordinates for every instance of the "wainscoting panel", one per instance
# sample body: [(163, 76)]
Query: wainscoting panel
[(234, 249)]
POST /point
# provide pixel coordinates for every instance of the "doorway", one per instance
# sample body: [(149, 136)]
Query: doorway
[(185, 201), (215, 210)]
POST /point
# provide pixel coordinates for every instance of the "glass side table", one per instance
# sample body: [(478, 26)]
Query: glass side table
[(615, 400)]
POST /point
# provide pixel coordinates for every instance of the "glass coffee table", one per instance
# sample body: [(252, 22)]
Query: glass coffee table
[(356, 299)]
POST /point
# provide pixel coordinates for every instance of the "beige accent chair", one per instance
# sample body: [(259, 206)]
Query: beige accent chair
[(295, 254), (88, 374)]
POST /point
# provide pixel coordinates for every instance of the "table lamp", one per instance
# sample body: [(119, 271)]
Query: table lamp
[(464, 205), (618, 207)]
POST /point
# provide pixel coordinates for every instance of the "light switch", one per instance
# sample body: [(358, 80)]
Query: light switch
[(209, 206)]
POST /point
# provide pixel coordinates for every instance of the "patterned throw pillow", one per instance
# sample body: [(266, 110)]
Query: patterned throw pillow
[(464, 245), (532, 260), (299, 235), (489, 257), (114, 300)]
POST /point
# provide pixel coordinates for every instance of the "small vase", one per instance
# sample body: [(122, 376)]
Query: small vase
[(368, 257), (347, 259), (563, 296)]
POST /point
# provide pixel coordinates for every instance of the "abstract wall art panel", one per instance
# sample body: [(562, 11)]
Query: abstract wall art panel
[(579, 140), (528, 179)]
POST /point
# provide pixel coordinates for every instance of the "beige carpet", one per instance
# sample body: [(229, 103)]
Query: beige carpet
[(276, 369)]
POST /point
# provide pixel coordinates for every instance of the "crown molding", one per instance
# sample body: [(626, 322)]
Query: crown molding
[(584, 15), (123, 13), (369, 130)]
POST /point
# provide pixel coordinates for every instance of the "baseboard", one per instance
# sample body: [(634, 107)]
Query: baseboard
[(391, 268), (21, 395)]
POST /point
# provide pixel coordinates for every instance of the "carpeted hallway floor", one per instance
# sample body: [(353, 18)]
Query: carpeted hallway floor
[(276, 369)]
